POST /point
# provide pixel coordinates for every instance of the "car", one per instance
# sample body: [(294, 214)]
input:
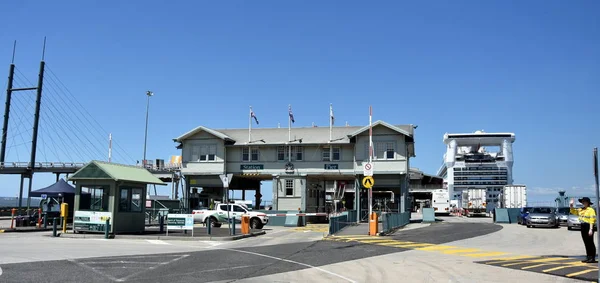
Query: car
[(563, 215), (542, 217), (573, 222), (523, 213), (219, 215)]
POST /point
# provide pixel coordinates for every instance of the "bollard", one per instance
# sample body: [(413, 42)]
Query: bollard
[(12, 218), (208, 226), (54, 224), (106, 228), (45, 220), (39, 224), (373, 224), (245, 224), (232, 225), (161, 223)]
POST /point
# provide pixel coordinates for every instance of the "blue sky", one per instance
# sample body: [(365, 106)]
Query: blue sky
[(528, 67)]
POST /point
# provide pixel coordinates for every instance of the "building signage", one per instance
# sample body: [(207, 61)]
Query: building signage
[(252, 167), (93, 221), (180, 222), (331, 167)]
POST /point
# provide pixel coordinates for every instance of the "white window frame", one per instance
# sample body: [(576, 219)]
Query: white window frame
[(289, 185), (281, 150), (203, 152), (248, 153), (327, 154), (387, 146), (297, 150)]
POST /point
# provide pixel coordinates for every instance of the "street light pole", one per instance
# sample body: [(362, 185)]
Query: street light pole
[(148, 93)]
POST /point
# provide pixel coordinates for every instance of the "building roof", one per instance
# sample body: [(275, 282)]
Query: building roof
[(99, 170), (307, 135)]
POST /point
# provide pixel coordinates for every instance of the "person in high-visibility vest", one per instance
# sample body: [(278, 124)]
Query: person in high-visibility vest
[(587, 217)]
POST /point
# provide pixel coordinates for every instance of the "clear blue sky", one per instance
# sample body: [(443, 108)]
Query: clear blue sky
[(529, 67)]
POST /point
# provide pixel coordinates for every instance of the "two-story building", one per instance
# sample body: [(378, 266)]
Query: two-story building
[(311, 168)]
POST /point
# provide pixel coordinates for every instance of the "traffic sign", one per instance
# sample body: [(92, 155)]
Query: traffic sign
[(44, 196), (368, 182), (226, 179), (368, 169)]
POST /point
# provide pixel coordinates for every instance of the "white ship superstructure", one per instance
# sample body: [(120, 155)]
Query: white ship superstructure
[(478, 160)]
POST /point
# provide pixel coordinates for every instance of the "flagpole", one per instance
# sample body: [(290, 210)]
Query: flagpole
[(330, 131), (250, 125), (370, 156), (289, 133)]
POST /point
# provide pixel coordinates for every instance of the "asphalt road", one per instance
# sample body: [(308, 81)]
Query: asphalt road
[(228, 264)]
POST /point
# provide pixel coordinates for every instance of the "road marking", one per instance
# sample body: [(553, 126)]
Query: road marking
[(378, 241), (575, 264), (488, 254), (412, 245), (539, 265), (581, 272), (461, 251), (158, 242), (295, 262), (507, 259), (394, 243), (436, 248)]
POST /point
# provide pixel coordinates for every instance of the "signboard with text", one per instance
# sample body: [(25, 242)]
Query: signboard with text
[(91, 221), (180, 222), (252, 167), (331, 167)]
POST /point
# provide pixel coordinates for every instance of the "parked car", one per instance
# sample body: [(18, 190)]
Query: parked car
[(573, 222), (563, 215), (542, 217), (521, 216)]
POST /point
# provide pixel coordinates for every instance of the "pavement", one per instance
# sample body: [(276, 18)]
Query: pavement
[(453, 250)]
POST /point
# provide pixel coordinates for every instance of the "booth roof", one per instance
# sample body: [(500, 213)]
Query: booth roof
[(99, 170)]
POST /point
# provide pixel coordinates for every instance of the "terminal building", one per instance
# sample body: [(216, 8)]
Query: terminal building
[(313, 169), (478, 160)]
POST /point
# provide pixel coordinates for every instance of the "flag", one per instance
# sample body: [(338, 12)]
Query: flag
[(291, 114), (331, 114), (253, 116)]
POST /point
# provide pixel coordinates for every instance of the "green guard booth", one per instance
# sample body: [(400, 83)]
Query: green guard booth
[(114, 192)]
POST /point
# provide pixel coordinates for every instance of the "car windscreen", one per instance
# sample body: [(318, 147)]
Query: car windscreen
[(542, 210), (563, 210)]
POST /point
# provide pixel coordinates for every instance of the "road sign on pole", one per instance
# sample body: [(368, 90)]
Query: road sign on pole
[(368, 169), (368, 182), (226, 179)]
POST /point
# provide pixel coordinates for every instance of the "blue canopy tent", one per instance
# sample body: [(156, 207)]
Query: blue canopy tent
[(53, 191)]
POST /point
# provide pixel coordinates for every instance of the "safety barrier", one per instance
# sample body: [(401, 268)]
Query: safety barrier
[(339, 222), (289, 218), (393, 220), (507, 215)]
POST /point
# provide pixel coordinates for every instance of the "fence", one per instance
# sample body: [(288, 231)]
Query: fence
[(337, 223), (393, 220)]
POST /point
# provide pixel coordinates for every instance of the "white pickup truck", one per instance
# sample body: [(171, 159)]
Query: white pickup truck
[(218, 216)]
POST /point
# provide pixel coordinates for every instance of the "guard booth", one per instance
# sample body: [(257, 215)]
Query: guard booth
[(117, 192)]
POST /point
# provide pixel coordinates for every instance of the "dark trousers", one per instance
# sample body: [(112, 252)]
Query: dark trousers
[(588, 241)]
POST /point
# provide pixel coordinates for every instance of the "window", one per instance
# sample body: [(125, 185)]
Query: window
[(130, 200), (385, 150), (297, 153), (237, 208), (223, 207), (289, 187), (332, 154), (204, 152), (281, 153), (250, 154), (98, 198)]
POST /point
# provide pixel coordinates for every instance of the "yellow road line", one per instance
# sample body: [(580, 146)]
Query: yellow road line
[(541, 264), (377, 241), (507, 259), (581, 272), (411, 245), (576, 264), (488, 254), (436, 248), (396, 243), (537, 261), (461, 251), (1, 231)]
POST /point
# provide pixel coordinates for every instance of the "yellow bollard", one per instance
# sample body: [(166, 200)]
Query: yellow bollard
[(12, 218), (64, 213), (373, 224), (245, 224)]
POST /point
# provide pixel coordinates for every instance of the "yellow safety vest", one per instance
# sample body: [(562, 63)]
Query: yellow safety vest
[(587, 215)]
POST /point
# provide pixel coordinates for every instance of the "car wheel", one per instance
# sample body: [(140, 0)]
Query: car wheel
[(569, 228), (214, 222), (255, 223)]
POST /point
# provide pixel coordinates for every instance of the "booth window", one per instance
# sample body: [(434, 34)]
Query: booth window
[(289, 187), (130, 200), (98, 197)]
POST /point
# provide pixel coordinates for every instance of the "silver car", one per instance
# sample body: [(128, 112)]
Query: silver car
[(542, 217), (573, 222), (563, 215)]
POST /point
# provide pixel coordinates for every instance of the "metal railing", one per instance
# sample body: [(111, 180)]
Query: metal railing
[(393, 220), (42, 165)]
